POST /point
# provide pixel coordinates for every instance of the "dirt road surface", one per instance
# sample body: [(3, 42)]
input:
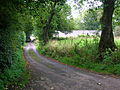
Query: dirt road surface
[(47, 74)]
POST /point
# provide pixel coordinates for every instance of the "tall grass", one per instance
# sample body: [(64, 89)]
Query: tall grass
[(83, 52)]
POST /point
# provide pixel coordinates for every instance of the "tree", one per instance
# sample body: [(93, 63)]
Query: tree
[(50, 17), (47, 26), (107, 38), (90, 20), (63, 19)]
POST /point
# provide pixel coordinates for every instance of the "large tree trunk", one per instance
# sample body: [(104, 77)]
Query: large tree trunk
[(107, 37), (47, 26)]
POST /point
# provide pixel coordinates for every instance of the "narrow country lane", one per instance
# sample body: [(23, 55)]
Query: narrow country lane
[(47, 74)]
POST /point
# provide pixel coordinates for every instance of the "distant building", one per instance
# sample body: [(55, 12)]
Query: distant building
[(76, 33)]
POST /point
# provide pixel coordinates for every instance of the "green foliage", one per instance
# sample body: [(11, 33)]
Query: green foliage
[(89, 20), (28, 15), (10, 42), (82, 52), (12, 64), (16, 75), (116, 18), (59, 21), (62, 22)]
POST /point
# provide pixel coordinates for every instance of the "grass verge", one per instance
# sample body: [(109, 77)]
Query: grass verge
[(83, 53), (16, 76)]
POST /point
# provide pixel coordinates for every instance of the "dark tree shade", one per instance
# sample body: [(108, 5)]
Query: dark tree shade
[(107, 38)]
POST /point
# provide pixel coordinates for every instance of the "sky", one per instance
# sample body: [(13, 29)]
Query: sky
[(75, 12)]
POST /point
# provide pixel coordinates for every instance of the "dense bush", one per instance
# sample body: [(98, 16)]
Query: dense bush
[(11, 42), (16, 75), (12, 64)]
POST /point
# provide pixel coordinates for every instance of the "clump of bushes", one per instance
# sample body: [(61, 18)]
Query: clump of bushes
[(16, 74), (12, 64)]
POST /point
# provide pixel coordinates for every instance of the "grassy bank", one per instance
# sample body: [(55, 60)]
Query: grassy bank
[(83, 52), (16, 76)]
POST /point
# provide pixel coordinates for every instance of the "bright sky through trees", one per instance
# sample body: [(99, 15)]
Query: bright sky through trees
[(75, 8)]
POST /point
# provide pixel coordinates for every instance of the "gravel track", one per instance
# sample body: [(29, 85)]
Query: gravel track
[(47, 74)]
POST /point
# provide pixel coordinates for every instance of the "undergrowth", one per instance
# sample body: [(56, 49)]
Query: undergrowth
[(16, 76), (83, 52)]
